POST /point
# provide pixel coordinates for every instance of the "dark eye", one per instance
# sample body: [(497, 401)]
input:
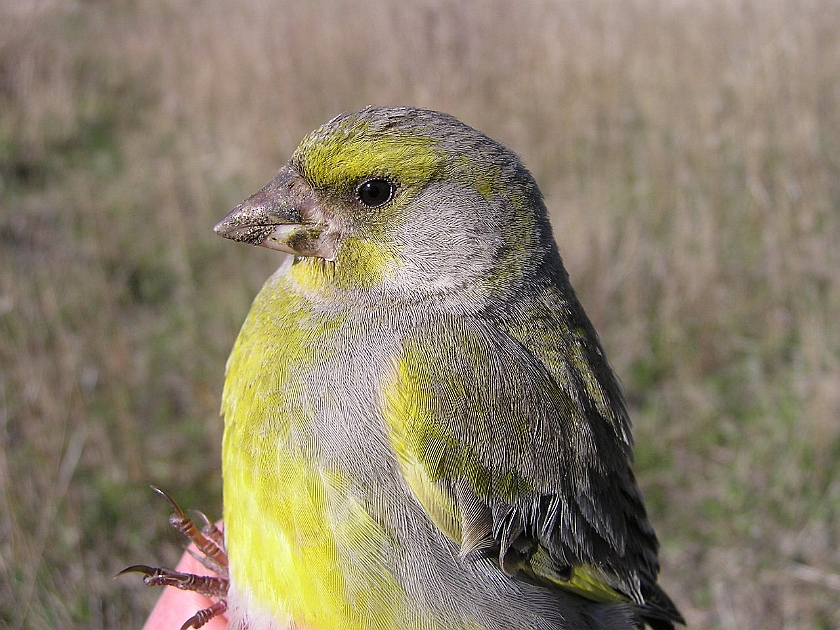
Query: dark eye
[(375, 192)]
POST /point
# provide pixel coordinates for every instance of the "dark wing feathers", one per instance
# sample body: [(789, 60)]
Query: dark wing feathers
[(576, 495)]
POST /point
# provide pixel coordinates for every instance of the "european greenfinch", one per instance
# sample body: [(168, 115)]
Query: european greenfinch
[(421, 427)]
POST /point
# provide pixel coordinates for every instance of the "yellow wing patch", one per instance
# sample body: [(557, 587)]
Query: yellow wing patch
[(584, 580)]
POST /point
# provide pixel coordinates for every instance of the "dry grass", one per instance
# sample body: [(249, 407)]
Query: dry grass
[(690, 152)]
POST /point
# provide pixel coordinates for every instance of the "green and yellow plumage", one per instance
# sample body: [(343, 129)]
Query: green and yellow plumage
[(421, 430)]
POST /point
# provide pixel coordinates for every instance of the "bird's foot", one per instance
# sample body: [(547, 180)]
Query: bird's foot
[(209, 541)]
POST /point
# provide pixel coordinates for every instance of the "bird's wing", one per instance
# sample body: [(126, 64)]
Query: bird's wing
[(511, 456)]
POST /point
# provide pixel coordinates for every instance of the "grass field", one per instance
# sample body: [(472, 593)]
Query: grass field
[(689, 151)]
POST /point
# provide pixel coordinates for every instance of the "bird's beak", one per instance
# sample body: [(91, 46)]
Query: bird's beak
[(284, 215)]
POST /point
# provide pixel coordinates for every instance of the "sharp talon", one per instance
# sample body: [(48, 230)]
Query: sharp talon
[(169, 499), (137, 568), (204, 519)]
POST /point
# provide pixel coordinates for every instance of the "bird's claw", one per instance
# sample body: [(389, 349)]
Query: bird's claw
[(207, 585), (209, 541), (204, 615)]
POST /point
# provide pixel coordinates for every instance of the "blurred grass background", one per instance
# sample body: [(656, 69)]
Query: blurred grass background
[(690, 153)]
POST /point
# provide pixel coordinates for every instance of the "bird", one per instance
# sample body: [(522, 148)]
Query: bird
[(421, 427)]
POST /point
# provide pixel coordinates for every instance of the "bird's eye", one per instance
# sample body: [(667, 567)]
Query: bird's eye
[(375, 192)]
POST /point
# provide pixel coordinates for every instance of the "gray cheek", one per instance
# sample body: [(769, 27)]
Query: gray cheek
[(448, 249)]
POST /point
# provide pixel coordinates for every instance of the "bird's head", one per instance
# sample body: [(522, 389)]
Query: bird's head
[(403, 202)]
